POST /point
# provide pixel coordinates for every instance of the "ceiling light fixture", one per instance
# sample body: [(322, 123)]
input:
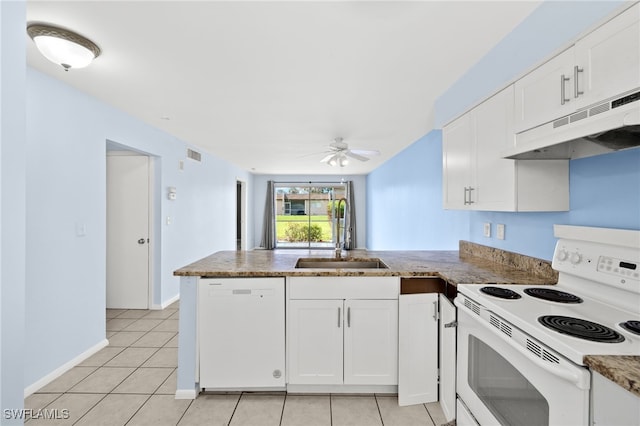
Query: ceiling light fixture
[(338, 159), (62, 46)]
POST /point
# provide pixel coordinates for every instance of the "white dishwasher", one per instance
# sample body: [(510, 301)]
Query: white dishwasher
[(241, 333)]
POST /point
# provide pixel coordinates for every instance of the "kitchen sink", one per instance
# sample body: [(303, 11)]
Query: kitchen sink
[(326, 263)]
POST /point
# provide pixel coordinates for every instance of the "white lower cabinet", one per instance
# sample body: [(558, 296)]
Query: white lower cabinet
[(336, 338), (315, 333), (612, 404), (418, 348), (447, 334)]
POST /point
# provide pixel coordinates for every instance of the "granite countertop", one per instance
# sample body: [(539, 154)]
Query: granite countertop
[(623, 370), (453, 266)]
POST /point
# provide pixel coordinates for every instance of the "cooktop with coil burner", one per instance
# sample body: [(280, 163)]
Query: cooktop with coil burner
[(595, 306), (552, 295), (632, 326)]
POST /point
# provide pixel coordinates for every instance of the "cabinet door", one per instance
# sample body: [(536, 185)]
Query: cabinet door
[(418, 349), (494, 186), (315, 341), (539, 94), (447, 334), (371, 342), (609, 58), (457, 140)]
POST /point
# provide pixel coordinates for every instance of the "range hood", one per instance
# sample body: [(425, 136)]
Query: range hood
[(604, 127)]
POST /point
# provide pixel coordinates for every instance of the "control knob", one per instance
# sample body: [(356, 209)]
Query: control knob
[(562, 255), (575, 258)]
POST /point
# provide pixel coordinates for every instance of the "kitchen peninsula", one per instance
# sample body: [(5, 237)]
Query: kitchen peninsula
[(473, 263)]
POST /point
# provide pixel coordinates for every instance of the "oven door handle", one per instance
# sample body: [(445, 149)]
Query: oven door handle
[(579, 378)]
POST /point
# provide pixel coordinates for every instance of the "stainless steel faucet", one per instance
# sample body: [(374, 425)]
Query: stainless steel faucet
[(338, 246)]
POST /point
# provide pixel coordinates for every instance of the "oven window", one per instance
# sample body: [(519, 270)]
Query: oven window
[(508, 394)]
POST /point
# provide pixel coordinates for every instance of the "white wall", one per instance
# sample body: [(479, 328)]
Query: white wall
[(12, 206), (360, 193), (68, 133)]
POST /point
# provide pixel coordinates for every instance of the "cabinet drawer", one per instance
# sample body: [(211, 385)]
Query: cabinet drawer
[(343, 287)]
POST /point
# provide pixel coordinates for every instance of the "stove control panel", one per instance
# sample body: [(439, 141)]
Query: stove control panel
[(619, 267), (606, 264)]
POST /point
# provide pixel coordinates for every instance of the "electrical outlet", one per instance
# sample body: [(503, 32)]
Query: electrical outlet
[(487, 229), (500, 231)]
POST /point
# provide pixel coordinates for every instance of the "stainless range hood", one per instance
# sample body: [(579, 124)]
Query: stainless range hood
[(607, 126)]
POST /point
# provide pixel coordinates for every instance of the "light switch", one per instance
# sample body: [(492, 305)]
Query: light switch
[(81, 229), (487, 229)]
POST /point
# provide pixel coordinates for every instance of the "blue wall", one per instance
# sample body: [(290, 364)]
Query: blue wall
[(604, 190), (12, 206), (68, 134), (404, 202)]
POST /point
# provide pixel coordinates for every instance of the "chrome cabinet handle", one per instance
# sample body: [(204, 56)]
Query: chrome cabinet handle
[(563, 97), (435, 311), (451, 324), (576, 90), (349, 316), (339, 320), (467, 190)]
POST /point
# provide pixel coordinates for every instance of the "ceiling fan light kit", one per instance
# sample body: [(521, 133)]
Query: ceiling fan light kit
[(62, 46), (339, 154)]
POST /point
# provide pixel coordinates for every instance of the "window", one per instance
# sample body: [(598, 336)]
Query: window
[(305, 214)]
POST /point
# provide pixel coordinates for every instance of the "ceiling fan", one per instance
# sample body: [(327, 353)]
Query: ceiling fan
[(339, 154)]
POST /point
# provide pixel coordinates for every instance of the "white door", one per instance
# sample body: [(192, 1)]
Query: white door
[(371, 342), (447, 334), (127, 232), (315, 341), (418, 349), (608, 59)]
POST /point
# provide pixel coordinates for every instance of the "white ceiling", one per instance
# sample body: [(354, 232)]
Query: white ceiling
[(265, 84)]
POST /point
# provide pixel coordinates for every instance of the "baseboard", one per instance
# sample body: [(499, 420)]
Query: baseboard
[(64, 368), (186, 394), (166, 303)]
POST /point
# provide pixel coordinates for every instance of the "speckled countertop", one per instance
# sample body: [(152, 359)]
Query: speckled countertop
[(473, 263), (623, 370), (449, 265)]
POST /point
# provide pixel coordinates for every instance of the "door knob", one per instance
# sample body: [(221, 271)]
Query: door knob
[(141, 241)]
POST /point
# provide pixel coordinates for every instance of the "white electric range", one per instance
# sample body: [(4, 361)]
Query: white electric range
[(521, 348)]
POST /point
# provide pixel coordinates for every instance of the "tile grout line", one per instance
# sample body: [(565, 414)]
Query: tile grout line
[(375, 397), (235, 408)]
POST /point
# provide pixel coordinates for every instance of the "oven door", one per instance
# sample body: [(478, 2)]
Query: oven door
[(502, 382)]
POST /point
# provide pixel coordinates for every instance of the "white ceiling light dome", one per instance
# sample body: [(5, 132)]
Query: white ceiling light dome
[(63, 47)]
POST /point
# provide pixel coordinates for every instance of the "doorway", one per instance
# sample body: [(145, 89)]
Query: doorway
[(128, 230), (241, 215)]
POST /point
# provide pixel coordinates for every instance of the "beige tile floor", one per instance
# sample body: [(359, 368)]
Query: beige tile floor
[(133, 380)]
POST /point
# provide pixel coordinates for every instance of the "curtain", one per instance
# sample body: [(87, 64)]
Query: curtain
[(269, 223), (350, 219)]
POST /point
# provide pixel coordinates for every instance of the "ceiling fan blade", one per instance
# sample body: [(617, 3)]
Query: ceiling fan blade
[(368, 152), (327, 158), (356, 156)]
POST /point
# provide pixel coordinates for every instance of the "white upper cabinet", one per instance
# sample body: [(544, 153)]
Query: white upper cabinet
[(603, 64), (609, 58), (475, 177), (545, 93)]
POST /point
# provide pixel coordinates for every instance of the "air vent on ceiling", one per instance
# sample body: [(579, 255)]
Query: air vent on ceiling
[(194, 155)]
